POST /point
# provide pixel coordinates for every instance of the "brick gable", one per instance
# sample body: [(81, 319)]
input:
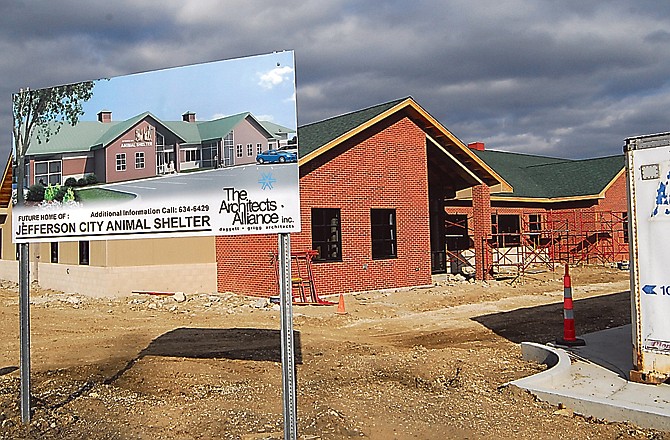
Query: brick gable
[(386, 168)]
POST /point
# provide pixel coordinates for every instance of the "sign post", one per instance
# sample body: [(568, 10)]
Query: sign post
[(287, 345), (24, 335)]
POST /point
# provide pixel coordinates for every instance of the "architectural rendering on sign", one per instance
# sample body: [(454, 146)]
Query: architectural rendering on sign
[(146, 146), (197, 137)]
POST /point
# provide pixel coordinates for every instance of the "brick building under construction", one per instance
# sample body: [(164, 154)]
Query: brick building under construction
[(389, 197)]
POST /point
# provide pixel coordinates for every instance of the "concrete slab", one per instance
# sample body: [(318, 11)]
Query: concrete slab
[(611, 349), (592, 380)]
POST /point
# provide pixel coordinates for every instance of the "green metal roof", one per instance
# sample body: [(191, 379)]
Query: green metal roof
[(89, 135), (275, 129), (533, 176), (70, 139), (188, 131), (313, 136), (219, 128)]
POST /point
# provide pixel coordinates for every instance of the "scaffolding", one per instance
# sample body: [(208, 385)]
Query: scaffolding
[(526, 241), (517, 248), (460, 256), (589, 237)]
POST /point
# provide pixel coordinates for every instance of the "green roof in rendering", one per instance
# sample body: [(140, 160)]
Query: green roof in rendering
[(79, 138), (219, 128), (276, 129), (313, 136), (188, 131), (91, 135), (543, 177)]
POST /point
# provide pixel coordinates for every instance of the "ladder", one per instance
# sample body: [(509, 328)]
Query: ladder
[(302, 279)]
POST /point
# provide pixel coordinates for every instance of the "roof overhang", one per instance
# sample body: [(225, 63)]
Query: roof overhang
[(6, 187), (466, 195), (436, 134)]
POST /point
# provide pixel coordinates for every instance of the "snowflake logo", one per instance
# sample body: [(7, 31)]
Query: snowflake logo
[(266, 181)]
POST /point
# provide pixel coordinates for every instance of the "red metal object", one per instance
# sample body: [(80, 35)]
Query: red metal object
[(146, 292), (569, 338), (302, 279)]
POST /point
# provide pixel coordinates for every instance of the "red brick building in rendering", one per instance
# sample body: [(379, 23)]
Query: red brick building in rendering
[(146, 146)]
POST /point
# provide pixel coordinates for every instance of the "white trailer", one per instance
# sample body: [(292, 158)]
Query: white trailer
[(648, 171)]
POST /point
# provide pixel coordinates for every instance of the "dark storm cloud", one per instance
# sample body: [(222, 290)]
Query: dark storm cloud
[(569, 78)]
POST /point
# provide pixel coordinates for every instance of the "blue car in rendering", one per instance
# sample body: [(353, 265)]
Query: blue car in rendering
[(274, 156)]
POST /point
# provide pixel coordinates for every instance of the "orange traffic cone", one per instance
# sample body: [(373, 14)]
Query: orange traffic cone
[(340, 306)]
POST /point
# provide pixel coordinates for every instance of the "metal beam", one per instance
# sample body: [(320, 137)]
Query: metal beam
[(24, 323), (287, 344)]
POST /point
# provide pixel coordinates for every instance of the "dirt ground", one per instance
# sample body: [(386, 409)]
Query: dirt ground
[(426, 363)]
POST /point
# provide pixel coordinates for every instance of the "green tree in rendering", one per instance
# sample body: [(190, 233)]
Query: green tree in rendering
[(39, 114)]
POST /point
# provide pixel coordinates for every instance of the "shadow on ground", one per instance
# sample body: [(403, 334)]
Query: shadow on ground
[(544, 324), (7, 370), (250, 344)]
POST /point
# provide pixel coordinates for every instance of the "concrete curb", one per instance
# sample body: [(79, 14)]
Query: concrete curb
[(557, 361), (591, 390)]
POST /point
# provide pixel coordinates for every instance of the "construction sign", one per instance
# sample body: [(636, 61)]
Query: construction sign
[(206, 149)]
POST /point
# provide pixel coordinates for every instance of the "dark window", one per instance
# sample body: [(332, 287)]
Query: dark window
[(121, 162), (54, 252), (534, 228), (192, 155), (384, 240), (624, 218), (139, 160), (327, 234), (48, 172), (505, 229), (210, 157), (18, 253), (83, 253), (456, 232)]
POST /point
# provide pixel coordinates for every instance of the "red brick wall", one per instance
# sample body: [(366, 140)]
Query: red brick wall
[(386, 169), (481, 226), (615, 197), (78, 165)]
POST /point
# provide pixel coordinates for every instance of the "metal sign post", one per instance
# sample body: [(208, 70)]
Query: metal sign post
[(287, 346), (24, 322)]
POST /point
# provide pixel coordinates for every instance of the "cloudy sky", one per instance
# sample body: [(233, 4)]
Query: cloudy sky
[(569, 78)]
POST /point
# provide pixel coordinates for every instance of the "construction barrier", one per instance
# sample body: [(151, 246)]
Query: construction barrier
[(340, 306), (569, 338)]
